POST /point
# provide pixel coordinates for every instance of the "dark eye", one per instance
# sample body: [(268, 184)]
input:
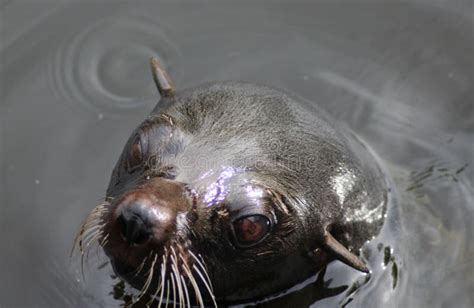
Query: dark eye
[(250, 230), (135, 155)]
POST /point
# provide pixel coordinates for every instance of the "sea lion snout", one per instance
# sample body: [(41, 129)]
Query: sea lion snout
[(140, 219), (134, 224), (148, 213)]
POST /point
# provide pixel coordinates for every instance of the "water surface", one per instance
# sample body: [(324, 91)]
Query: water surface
[(75, 82)]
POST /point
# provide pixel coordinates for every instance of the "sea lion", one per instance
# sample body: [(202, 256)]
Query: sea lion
[(233, 191)]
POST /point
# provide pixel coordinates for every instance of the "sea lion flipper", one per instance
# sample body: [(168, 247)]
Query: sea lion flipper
[(162, 80), (342, 254)]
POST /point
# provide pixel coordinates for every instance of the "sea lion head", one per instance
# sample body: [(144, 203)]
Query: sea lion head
[(212, 200)]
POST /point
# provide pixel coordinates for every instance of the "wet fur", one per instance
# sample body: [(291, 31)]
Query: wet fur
[(281, 143)]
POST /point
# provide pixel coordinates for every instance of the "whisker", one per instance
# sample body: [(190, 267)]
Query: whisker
[(78, 241), (206, 284), (104, 244), (140, 267), (167, 293), (85, 239), (191, 278), (148, 280), (174, 290), (176, 275), (204, 268), (153, 297), (91, 222), (90, 231), (163, 274), (94, 241), (99, 209), (93, 238), (82, 267), (104, 240), (185, 287), (99, 243), (89, 228), (180, 289)]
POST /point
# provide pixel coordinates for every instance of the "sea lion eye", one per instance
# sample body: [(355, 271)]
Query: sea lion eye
[(251, 230), (135, 155)]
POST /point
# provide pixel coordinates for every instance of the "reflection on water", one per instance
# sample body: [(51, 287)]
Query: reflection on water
[(75, 82)]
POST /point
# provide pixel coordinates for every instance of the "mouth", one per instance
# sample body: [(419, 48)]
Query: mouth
[(177, 276), (163, 271)]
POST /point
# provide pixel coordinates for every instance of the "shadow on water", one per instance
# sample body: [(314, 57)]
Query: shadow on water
[(306, 296), (310, 293)]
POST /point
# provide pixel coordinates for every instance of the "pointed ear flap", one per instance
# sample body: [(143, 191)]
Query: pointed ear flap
[(341, 253), (162, 79)]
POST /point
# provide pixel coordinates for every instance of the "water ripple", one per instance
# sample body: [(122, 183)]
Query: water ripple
[(105, 66)]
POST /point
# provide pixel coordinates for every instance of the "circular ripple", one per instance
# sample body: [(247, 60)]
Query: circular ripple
[(106, 66)]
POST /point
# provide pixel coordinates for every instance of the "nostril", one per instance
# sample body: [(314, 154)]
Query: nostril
[(133, 227)]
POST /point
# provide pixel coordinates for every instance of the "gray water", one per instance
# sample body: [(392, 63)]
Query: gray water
[(75, 82)]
